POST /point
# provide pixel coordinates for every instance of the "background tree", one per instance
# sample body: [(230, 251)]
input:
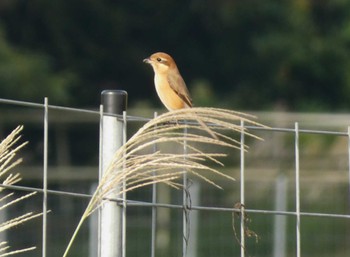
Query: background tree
[(249, 54)]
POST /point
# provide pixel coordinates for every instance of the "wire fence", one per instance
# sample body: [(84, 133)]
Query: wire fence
[(285, 184)]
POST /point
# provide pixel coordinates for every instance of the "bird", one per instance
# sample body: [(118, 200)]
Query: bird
[(170, 86)]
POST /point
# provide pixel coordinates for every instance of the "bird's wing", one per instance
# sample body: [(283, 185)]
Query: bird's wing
[(177, 83)]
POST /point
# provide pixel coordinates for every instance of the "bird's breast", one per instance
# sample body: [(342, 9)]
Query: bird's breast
[(167, 95)]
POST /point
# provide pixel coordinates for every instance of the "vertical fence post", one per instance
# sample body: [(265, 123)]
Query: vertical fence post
[(154, 209), (45, 165), (114, 102), (349, 165), (186, 203), (124, 189), (242, 193), (93, 228), (194, 191), (297, 188), (280, 221)]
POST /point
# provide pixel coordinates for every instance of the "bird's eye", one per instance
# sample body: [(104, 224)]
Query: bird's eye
[(159, 59)]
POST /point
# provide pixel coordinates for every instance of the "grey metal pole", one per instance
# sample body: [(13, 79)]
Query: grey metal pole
[(194, 191), (280, 221), (114, 103)]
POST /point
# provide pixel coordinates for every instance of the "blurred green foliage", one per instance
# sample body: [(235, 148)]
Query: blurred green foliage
[(28, 75), (247, 54)]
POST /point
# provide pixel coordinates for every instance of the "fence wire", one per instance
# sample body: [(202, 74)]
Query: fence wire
[(186, 206)]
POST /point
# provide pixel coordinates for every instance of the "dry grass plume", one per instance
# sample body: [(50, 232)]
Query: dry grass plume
[(9, 148), (136, 168)]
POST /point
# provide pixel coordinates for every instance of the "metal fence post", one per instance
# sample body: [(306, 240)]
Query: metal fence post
[(114, 102)]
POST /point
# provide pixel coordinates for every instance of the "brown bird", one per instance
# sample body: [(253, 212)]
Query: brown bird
[(170, 86)]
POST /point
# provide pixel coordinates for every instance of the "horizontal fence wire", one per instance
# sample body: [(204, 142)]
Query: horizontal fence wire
[(296, 131), (131, 118), (133, 203), (143, 119)]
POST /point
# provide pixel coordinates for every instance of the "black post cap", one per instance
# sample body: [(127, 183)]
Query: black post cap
[(114, 101)]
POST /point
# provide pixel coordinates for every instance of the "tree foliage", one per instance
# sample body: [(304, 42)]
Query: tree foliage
[(253, 54), (27, 75)]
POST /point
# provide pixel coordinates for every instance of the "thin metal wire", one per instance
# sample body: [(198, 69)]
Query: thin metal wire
[(99, 179), (37, 105), (292, 130), (144, 119), (154, 209), (349, 164), (100, 142), (133, 203), (186, 206), (242, 181), (297, 188), (298, 214), (124, 191), (45, 165), (70, 109)]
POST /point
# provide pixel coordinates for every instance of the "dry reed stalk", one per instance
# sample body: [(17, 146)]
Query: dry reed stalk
[(15, 251), (132, 166), (8, 151)]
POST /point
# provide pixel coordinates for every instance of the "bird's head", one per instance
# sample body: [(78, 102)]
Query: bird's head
[(161, 62)]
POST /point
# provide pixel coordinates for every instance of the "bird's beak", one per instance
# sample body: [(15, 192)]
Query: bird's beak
[(147, 60)]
